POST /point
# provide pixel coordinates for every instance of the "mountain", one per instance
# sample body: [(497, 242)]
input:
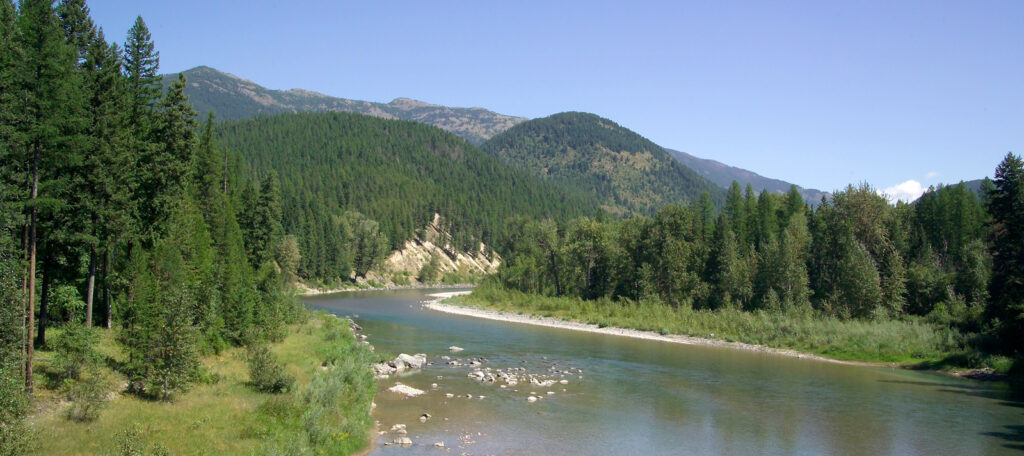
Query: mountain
[(234, 98), (396, 173), (724, 175), (627, 172)]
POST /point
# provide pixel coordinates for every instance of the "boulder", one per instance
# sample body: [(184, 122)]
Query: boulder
[(403, 441), (412, 361)]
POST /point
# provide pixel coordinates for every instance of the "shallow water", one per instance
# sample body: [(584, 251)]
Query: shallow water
[(648, 397)]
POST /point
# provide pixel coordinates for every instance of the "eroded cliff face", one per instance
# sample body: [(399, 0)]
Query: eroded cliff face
[(435, 242)]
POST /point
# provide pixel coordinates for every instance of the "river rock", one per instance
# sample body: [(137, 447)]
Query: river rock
[(411, 361), (564, 382), (397, 427), (455, 349), (531, 399), (424, 417), (405, 390), (403, 441), (449, 395), (439, 444)]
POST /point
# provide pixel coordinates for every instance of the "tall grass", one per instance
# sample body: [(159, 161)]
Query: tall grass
[(893, 341), (226, 415)]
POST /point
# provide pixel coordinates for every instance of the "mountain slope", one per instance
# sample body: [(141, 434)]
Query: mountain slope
[(398, 173), (627, 172), (234, 98), (724, 175)]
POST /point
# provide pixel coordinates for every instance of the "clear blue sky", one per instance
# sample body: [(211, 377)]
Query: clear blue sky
[(818, 93)]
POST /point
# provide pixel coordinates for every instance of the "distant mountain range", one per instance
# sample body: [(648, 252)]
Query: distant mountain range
[(233, 98), (724, 175), (627, 173)]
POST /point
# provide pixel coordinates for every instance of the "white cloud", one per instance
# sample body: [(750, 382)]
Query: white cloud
[(907, 191), (932, 175)]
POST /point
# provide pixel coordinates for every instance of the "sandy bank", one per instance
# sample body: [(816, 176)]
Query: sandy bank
[(305, 290), (440, 306)]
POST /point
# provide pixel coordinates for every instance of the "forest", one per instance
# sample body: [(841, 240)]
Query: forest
[(951, 260), (121, 220), (627, 173), (346, 176)]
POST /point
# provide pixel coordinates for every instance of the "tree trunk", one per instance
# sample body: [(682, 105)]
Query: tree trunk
[(106, 288), (92, 286), (24, 296), (44, 315), (31, 272), (554, 271)]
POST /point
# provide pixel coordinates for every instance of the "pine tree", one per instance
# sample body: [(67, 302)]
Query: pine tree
[(51, 112), (1006, 206), (162, 169), (141, 63)]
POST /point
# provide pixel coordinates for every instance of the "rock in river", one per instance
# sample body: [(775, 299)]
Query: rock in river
[(405, 390)]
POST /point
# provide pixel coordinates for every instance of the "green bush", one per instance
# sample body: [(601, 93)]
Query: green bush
[(87, 396), (75, 351), (266, 374)]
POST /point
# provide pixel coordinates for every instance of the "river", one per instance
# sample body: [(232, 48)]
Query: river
[(656, 398)]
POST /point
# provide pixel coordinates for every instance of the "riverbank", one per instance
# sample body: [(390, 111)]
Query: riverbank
[(306, 290), (551, 322), (911, 344), (222, 413)]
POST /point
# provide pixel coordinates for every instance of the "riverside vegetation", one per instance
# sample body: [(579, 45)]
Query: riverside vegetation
[(139, 257), (936, 282)]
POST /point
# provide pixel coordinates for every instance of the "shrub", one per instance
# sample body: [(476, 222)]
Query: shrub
[(75, 351), (265, 373), (88, 396)]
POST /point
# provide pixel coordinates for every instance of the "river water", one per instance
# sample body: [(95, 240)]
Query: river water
[(656, 398)]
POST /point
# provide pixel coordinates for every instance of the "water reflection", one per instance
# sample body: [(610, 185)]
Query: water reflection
[(647, 397)]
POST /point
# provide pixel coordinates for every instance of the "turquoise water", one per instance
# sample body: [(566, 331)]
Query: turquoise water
[(653, 398)]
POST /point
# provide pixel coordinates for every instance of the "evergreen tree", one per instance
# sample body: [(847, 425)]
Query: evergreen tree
[(141, 63), (1006, 288), (162, 169), (51, 120)]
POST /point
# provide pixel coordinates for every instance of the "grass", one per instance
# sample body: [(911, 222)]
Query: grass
[(221, 417), (891, 341)]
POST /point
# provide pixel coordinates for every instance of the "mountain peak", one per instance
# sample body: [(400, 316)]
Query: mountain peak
[(409, 103), (234, 98)]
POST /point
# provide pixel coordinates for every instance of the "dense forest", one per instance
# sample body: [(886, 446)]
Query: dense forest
[(951, 259), (627, 173), (120, 213), (340, 172)]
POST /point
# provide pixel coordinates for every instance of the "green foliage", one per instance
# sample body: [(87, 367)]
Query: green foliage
[(406, 173), (75, 351), (626, 173), (1006, 287), (132, 441), (266, 374), (88, 396), (332, 415), (430, 272), (66, 304)]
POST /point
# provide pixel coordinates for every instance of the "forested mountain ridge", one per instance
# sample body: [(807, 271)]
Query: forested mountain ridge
[(627, 172), (235, 98), (724, 175), (395, 173)]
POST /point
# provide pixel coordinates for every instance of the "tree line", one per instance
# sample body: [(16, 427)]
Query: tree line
[(356, 186), (120, 211), (953, 257)]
